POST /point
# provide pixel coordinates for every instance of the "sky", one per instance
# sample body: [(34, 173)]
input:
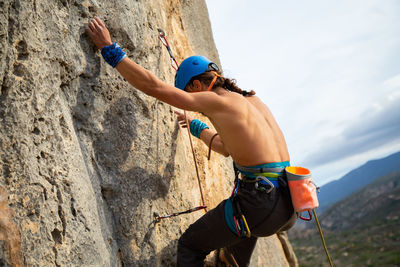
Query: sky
[(328, 70)]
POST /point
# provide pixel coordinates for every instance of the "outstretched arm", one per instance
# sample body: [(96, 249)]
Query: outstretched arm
[(147, 82)]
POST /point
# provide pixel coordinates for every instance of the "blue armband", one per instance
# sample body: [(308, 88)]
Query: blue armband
[(196, 126), (113, 54)]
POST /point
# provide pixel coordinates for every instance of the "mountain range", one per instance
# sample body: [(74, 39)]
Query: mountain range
[(353, 181)]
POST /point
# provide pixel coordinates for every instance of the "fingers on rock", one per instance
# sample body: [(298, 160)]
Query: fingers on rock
[(100, 22)]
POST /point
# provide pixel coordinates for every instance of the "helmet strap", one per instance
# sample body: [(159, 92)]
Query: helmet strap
[(213, 80)]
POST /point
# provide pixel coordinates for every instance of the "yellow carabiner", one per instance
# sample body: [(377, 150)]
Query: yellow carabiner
[(247, 232)]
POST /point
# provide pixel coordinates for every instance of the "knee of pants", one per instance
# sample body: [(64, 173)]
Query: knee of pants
[(188, 256)]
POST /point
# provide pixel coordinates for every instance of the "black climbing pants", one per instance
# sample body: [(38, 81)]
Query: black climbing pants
[(266, 214)]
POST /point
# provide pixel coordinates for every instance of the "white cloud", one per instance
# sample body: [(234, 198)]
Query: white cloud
[(369, 131), (326, 173), (392, 83)]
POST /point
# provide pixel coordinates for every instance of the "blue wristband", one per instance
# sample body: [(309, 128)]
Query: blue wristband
[(113, 54), (196, 126)]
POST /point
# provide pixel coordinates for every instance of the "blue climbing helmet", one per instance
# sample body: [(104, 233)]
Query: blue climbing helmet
[(191, 67)]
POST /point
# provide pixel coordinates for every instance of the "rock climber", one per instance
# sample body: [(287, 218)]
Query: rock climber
[(247, 131)]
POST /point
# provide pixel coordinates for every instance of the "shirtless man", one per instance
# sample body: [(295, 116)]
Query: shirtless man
[(246, 131)]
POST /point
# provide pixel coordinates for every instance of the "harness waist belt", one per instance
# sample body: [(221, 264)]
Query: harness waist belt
[(271, 171), (252, 180), (257, 170)]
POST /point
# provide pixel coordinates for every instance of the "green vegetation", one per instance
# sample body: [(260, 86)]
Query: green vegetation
[(370, 245)]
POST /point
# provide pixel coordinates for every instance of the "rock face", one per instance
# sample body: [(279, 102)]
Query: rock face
[(87, 160)]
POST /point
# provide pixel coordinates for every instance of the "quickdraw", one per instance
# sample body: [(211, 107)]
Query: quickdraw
[(159, 218), (162, 37)]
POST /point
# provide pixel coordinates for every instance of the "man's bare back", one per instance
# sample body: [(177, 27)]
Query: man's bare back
[(248, 130)]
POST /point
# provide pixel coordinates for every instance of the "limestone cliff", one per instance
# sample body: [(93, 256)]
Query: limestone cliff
[(87, 160)]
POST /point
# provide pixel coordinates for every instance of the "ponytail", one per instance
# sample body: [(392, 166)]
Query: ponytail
[(229, 84)]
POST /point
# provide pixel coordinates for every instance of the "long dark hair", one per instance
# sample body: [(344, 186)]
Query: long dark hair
[(229, 84)]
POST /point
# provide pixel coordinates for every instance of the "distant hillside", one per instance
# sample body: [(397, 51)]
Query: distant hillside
[(377, 201), (357, 179), (361, 230)]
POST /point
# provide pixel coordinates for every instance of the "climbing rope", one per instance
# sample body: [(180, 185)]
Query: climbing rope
[(195, 162), (322, 238), (162, 37)]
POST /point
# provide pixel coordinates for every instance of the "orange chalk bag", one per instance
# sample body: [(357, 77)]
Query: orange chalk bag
[(302, 190)]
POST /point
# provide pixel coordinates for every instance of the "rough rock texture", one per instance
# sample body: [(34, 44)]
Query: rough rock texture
[(87, 160)]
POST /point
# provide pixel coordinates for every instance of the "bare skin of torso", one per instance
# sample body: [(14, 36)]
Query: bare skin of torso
[(247, 130)]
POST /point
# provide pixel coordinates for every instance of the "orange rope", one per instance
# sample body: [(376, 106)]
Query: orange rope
[(195, 161)]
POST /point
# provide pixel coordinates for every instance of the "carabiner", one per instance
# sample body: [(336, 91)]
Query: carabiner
[(247, 230), (267, 181), (161, 32), (162, 38), (306, 219)]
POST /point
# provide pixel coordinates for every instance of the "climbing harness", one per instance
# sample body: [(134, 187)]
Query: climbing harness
[(234, 216), (298, 181), (162, 37), (265, 180)]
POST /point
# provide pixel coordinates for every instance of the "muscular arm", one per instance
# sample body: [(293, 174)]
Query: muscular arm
[(148, 83)]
